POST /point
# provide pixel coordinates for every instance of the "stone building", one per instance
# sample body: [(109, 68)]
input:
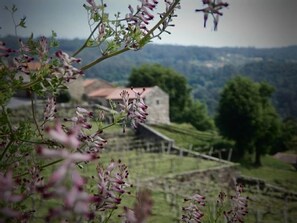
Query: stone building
[(154, 97), (76, 89), (90, 85)]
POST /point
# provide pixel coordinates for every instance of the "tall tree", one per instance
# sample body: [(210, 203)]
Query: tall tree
[(246, 115)]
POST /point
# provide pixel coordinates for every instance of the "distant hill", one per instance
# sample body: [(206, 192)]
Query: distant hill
[(206, 69)]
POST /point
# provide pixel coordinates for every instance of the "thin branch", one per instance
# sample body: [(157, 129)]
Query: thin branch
[(11, 132), (170, 10), (34, 116), (86, 42), (41, 168), (6, 148), (98, 60)]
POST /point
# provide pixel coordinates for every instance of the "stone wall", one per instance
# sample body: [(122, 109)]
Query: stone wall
[(158, 106), (76, 89)]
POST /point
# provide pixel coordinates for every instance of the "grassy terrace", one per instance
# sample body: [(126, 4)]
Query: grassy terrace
[(153, 165), (185, 135), (273, 171)]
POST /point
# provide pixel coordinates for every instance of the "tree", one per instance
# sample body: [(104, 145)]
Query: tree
[(288, 138), (246, 115), (196, 114), (63, 97)]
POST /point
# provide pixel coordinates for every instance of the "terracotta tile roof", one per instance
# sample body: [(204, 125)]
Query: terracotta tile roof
[(88, 82), (114, 95), (111, 93), (102, 92)]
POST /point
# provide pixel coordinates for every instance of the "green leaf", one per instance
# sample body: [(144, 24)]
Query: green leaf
[(14, 8), (23, 22)]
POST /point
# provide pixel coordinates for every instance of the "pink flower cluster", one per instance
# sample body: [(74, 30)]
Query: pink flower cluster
[(66, 70), (9, 197), (40, 50), (213, 7), (111, 185), (135, 109), (66, 184), (5, 51), (81, 118), (92, 143), (67, 137), (50, 109), (25, 54), (142, 16), (191, 212), (33, 180), (142, 208), (239, 206)]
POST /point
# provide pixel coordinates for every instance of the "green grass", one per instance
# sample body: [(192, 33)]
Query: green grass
[(186, 135), (268, 208), (152, 165), (274, 172)]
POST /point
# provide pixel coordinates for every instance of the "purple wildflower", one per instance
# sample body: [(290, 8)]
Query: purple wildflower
[(142, 16), (135, 110), (192, 212), (66, 71), (50, 109), (5, 51), (111, 185), (142, 208), (76, 202), (214, 8), (239, 206), (42, 49), (8, 196), (68, 139)]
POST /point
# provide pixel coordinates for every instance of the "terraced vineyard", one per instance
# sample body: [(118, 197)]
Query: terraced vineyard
[(172, 177), (154, 171)]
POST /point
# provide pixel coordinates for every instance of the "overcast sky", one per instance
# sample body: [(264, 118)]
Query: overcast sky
[(252, 23)]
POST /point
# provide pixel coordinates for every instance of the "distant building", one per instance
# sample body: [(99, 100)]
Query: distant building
[(76, 89), (154, 97), (90, 85)]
